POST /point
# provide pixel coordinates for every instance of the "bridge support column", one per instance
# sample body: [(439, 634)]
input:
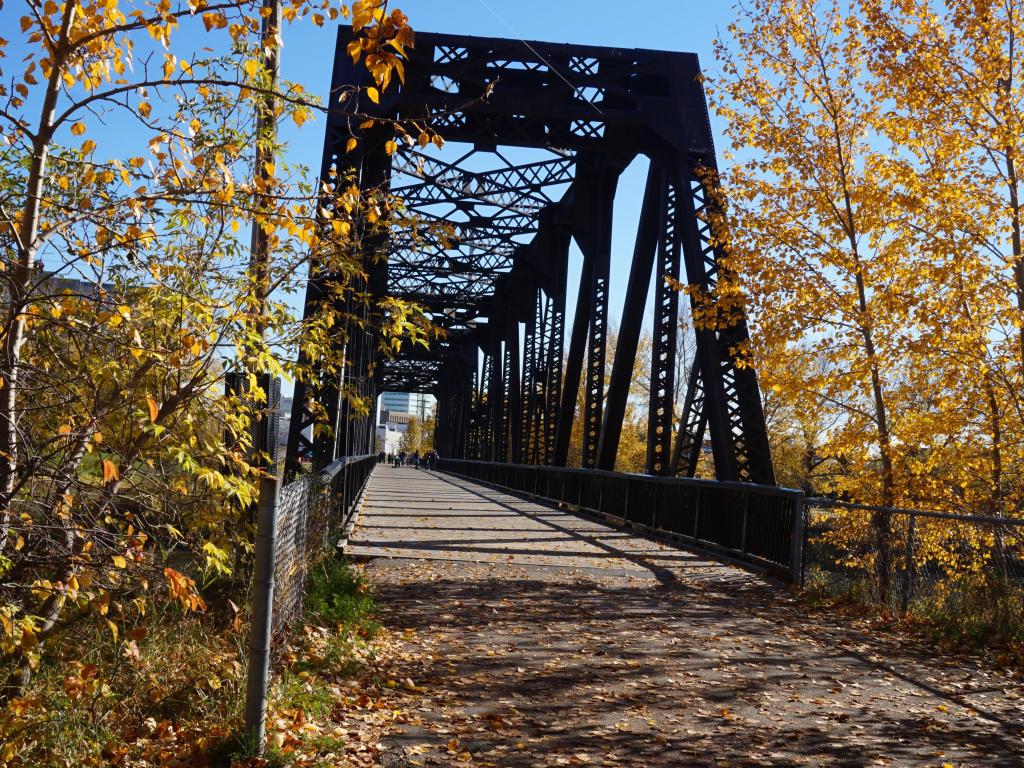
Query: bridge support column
[(661, 404), (632, 319), (593, 205)]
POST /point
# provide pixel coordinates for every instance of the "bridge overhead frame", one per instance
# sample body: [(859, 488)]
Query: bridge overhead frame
[(537, 136)]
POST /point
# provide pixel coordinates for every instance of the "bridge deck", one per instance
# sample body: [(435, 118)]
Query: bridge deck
[(543, 639)]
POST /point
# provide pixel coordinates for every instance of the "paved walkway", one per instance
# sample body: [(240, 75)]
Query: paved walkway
[(538, 638)]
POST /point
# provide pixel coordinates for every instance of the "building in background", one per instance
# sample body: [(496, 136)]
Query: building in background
[(419, 404), (391, 429)]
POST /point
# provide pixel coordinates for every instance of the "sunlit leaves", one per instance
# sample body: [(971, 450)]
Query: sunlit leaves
[(127, 446), (874, 200), (110, 471)]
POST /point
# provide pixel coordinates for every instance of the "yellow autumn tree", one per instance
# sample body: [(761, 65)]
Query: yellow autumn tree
[(131, 172), (877, 222), (813, 219), (952, 72)]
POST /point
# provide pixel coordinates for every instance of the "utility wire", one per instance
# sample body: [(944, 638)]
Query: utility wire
[(535, 52)]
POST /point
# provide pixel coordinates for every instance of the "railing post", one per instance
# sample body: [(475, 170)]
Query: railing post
[(262, 614), (696, 513), (796, 545), (746, 516)]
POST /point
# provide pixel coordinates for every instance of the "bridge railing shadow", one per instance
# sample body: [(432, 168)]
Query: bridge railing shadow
[(579, 687), (755, 525)]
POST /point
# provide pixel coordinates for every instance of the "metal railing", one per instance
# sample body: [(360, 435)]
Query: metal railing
[(753, 525), (940, 566)]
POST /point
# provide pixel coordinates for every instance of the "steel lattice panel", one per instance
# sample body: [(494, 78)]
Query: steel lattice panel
[(536, 136)]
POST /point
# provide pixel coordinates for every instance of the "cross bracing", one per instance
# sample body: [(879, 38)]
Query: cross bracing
[(536, 136)]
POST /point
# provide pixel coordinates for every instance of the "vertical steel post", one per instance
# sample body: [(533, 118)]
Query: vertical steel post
[(262, 613), (661, 408), (692, 425), (555, 343), (796, 548), (514, 390), (632, 319), (573, 368), (595, 202)]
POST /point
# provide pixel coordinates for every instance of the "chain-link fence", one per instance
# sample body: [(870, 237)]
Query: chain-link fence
[(294, 529), (961, 573), (310, 511)]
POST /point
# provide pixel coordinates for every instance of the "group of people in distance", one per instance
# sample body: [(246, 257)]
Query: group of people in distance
[(425, 460)]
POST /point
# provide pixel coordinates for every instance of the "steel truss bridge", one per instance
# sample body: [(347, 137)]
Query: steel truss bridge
[(536, 138)]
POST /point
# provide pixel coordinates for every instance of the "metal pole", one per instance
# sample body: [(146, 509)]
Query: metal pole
[(796, 551), (908, 566), (262, 614)]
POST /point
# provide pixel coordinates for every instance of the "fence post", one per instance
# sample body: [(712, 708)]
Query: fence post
[(908, 566), (796, 544), (262, 614)]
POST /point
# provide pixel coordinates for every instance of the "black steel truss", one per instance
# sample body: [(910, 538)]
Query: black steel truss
[(537, 136)]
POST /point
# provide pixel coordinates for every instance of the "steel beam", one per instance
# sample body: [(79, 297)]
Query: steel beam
[(632, 317), (488, 249)]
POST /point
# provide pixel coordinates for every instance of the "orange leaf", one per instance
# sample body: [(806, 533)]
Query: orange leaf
[(154, 411), (110, 471)]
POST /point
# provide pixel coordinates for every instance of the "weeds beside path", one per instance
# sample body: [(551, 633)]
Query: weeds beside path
[(171, 693)]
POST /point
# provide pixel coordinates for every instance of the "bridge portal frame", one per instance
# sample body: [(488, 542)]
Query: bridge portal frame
[(595, 110)]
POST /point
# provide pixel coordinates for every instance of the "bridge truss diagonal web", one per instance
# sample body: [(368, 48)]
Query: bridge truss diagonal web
[(536, 136)]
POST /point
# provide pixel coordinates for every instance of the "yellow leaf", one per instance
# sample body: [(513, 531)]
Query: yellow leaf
[(251, 67), (351, 144), (64, 429), (28, 637), (390, 147), (300, 116), (78, 129), (373, 94), (154, 411), (119, 561), (145, 109), (88, 146), (110, 471), (113, 629)]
